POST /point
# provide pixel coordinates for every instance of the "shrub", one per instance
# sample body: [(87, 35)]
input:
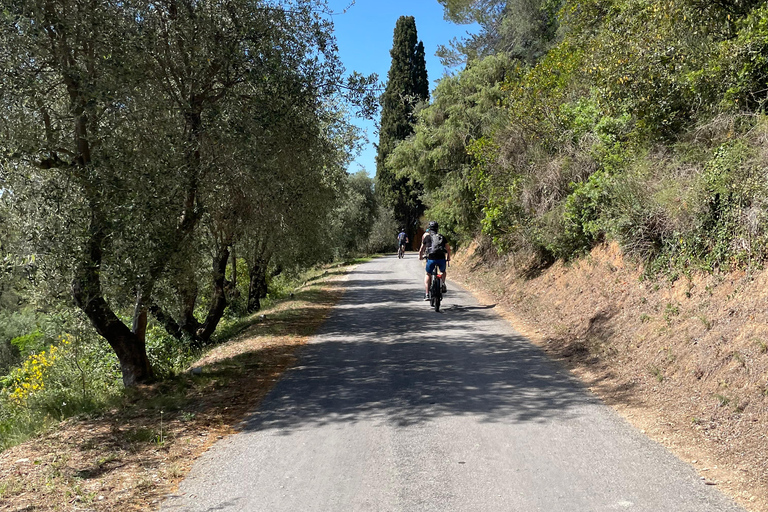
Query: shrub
[(382, 233), (168, 355), (31, 376), (742, 63), (582, 214), (74, 375)]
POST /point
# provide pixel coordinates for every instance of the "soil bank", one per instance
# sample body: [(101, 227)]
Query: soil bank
[(685, 361)]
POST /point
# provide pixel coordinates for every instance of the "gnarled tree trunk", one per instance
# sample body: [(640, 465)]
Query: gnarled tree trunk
[(219, 298), (129, 346), (130, 349), (199, 332), (257, 286)]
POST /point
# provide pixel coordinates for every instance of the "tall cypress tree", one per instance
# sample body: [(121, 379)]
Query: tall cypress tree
[(407, 85)]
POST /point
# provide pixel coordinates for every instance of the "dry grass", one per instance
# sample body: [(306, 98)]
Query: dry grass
[(686, 362), (131, 457)]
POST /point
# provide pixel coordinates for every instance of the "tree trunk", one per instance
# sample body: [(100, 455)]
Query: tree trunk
[(86, 289), (188, 297), (166, 321), (257, 283), (257, 286), (219, 297), (140, 318), (200, 333), (130, 349), (234, 293)]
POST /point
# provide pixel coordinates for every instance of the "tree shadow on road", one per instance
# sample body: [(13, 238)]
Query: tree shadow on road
[(385, 356)]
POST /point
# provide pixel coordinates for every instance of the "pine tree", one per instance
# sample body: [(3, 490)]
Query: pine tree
[(407, 85)]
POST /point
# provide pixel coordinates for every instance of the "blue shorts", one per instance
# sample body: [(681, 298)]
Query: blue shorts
[(431, 265)]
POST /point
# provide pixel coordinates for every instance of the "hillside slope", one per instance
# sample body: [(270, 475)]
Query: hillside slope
[(685, 361)]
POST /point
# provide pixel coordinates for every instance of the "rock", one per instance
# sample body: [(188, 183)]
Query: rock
[(196, 371)]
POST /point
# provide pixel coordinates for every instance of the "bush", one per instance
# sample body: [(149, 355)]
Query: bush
[(75, 375), (731, 186), (168, 355), (582, 215), (12, 325), (382, 234), (742, 63)]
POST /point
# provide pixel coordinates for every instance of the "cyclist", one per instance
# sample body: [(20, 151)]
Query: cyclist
[(402, 239), (437, 251)]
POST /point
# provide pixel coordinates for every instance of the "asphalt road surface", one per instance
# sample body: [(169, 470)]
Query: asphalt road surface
[(394, 407)]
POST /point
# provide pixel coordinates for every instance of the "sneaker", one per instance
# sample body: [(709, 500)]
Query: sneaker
[(443, 288), (426, 296)]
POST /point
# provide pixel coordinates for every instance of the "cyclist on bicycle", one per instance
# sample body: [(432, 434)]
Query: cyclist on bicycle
[(402, 240), (437, 251)]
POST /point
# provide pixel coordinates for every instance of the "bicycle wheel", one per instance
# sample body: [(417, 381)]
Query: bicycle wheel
[(437, 295)]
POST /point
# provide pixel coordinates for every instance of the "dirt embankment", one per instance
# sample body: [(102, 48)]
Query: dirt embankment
[(684, 361)]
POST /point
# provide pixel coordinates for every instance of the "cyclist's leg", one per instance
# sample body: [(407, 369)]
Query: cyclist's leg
[(443, 271), (441, 264), (428, 277)]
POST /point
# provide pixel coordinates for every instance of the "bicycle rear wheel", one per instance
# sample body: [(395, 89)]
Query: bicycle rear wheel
[(437, 294)]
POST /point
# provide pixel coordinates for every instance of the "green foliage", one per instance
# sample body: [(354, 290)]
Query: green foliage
[(169, 355), (630, 127), (354, 215), (140, 144), (522, 29), (29, 343), (407, 87), (731, 187), (72, 376), (451, 142), (381, 234), (24, 332), (582, 215), (741, 63)]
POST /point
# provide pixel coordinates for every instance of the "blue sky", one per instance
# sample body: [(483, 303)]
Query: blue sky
[(364, 34)]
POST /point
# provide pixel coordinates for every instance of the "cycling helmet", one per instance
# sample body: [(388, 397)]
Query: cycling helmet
[(432, 226)]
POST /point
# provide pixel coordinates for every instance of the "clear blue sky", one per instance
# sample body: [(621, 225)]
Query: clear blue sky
[(364, 34)]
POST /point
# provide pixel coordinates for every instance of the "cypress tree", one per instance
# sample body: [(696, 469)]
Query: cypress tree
[(407, 85)]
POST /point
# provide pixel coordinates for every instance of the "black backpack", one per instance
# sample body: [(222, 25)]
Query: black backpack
[(436, 248)]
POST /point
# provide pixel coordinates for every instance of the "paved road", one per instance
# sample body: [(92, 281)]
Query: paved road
[(394, 407)]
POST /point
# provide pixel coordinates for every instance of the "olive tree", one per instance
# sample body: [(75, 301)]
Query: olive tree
[(112, 128)]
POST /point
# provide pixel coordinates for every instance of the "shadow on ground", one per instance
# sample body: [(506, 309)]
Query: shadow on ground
[(384, 355)]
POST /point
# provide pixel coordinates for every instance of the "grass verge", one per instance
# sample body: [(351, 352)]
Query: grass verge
[(131, 456)]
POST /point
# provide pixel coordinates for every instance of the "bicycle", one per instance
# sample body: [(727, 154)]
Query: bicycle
[(435, 290), (401, 252)]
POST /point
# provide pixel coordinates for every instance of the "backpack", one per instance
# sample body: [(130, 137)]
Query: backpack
[(401, 236), (436, 249)]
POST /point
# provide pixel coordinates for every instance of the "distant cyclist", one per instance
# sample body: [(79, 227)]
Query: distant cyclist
[(437, 251), (402, 240)]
